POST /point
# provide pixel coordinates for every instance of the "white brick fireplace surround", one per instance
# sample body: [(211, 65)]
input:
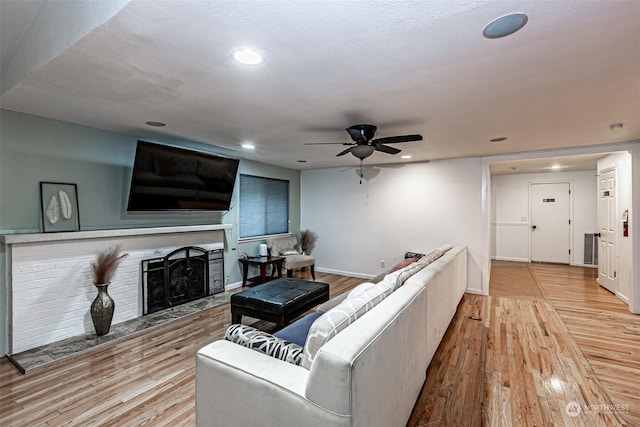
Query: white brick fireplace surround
[(49, 284)]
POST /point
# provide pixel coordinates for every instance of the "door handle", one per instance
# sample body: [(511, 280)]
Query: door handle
[(533, 227)]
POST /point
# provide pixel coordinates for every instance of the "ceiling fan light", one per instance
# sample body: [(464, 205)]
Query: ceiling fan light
[(362, 151)]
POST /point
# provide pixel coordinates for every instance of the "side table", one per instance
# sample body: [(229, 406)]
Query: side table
[(262, 262)]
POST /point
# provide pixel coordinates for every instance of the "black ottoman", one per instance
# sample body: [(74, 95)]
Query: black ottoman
[(279, 301)]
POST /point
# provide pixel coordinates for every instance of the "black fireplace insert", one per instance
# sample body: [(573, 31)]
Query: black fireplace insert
[(184, 275)]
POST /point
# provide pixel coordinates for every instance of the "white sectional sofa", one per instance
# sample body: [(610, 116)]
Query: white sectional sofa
[(369, 374)]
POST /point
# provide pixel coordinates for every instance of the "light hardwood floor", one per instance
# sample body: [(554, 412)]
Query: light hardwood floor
[(548, 336)]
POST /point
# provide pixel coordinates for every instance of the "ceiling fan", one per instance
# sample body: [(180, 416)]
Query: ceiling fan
[(364, 145)]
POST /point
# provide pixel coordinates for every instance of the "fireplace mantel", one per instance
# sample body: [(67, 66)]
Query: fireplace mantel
[(98, 234)]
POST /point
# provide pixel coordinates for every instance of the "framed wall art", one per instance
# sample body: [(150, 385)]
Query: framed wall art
[(59, 206)]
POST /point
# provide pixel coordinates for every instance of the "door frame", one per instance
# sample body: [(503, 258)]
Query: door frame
[(530, 224)]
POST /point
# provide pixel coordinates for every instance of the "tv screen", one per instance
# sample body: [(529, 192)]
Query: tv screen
[(169, 178)]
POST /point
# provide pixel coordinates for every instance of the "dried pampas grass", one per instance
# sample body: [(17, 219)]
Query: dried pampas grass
[(307, 241), (104, 267)]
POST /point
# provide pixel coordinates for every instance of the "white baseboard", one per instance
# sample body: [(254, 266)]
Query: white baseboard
[(512, 259), (474, 291), (622, 297), (577, 264), (233, 286), (345, 273)]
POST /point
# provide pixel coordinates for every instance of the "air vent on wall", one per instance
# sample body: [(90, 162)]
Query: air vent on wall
[(590, 249)]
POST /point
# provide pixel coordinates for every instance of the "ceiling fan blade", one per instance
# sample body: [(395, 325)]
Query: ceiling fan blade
[(386, 149), (342, 153), (356, 135), (397, 139), (329, 143)]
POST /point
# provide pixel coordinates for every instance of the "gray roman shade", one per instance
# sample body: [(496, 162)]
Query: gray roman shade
[(264, 206)]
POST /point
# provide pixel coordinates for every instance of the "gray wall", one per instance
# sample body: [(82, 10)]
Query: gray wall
[(34, 149)]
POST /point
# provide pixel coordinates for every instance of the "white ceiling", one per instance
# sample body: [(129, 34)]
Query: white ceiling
[(408, 67), (582, 162)]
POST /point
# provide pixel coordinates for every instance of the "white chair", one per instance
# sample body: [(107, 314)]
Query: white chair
[(286, 247)]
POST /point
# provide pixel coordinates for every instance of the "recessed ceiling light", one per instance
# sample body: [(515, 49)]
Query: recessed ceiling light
[(248, 145), (156, 124), (500, 139), (616, 126), (247, 56), (406, 156), (505, 25), (556, 167)]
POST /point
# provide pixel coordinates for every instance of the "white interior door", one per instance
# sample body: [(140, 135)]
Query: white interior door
[(550, 223), (607, 230)]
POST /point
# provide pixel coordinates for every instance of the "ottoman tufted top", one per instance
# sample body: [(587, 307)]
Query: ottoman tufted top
[(280, 296)]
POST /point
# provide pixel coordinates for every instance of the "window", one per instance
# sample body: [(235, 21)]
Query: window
[(264, 206)]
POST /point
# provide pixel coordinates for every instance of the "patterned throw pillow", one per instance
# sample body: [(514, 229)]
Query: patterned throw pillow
[(410, 254), (400, 276), (437, 253), (408, 272), (264, 342), (335, 320), (360, 289)]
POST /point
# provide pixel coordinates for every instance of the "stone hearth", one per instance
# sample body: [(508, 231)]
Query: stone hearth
[(42, 356)]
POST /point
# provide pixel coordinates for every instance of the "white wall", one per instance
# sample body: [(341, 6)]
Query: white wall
[(510, 216), (623, 253), (411, 207)]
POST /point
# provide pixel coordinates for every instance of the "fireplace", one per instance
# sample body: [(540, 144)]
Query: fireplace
[(184, 275), (56, 268)]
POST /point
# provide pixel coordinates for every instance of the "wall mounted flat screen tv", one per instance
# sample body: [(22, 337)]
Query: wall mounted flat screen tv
[(168, 179)]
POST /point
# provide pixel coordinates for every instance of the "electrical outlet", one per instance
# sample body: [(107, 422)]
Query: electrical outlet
[(381, 263)]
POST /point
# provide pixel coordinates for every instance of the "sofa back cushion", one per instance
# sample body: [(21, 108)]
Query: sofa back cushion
[(341, 316)]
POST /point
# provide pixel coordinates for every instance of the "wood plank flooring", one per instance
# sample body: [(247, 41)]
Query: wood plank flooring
[(549, 336), (602, 326), (533, 352)]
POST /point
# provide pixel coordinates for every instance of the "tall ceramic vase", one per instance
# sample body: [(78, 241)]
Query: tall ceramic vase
[(102, 309)]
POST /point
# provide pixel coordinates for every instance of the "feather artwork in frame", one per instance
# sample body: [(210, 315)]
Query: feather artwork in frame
[(59, 207)]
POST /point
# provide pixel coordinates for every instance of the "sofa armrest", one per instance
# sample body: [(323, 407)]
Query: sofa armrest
[(236, 385)]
